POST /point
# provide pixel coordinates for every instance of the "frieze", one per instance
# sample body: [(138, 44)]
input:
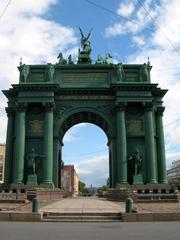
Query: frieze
[(85, 97)]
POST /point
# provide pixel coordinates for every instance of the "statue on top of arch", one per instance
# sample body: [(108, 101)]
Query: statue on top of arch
[(84, 55), (85, 43)]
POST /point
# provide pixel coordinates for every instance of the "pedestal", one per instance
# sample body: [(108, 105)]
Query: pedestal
[(138, 179), (32, 179)]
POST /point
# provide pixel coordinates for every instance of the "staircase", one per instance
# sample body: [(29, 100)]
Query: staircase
[(81, 217)]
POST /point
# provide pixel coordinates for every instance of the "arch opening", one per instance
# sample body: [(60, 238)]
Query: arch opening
[(84, 137)]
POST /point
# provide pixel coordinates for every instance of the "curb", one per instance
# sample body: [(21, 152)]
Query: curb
[(125, 217), (21, 216), (150, 217)]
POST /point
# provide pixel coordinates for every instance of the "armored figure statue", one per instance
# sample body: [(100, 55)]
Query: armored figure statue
[(85, 43), (136, 162), (50, 72), (31, 162), (24, 72), (120, 72), (145, 73)]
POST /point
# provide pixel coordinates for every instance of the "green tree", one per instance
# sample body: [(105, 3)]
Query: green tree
[(82, 186)]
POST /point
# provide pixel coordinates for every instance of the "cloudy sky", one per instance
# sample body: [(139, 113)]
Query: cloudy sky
[(131, 30)]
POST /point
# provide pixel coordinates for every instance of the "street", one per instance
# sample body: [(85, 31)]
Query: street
[(89, 231)]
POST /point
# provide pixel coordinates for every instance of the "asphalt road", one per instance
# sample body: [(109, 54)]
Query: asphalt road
[(89, 231)]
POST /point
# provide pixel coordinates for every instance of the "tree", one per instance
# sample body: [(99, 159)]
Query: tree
[(82, 186)]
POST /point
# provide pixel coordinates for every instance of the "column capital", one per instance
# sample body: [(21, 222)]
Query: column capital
[(148, 106), (160, 110), (121, 106), (21, 107), (49, 106), (9, 111)]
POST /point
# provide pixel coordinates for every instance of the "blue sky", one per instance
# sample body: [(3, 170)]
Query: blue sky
[(131, 30)]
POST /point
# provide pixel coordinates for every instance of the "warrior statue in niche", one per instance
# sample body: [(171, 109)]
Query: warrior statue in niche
[(136, 162), (32, 161)]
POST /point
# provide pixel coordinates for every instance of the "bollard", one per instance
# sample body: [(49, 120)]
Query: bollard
[(35, 205), (129, 205)]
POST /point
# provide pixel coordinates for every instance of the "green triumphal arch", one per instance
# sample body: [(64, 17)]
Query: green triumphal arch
[(51, 98)]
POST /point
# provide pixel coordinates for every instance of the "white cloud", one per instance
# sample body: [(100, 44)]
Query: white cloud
[(169, 23), (73, 133), (25, 33), (139, 40), (94, 170), (28, 7), (136, 24), (126, 9), (171, 156)]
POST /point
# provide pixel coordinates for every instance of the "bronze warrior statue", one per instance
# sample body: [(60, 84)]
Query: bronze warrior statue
[(85, 42)]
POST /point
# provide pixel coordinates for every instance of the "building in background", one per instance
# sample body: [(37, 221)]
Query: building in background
[(2, 159), (173, 174), (70, 179)]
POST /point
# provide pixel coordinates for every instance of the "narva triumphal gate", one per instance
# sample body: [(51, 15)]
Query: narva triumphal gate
[(51, 98)]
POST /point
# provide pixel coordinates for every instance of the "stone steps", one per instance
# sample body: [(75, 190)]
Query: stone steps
[(81, 217)]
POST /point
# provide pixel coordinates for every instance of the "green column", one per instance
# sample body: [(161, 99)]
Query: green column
[(110, 168), (113, 148), (9, 146), (162, 177), (19, 146), (57, 161), (150, 145), (48, 147), (121, 145)]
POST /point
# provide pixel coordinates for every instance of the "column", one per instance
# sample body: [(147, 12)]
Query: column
[(121, 145), (48, 146), (150, 145), (162, 177), (9, 146), (19, 146), (57, 161), (110, 168), (113, 149)]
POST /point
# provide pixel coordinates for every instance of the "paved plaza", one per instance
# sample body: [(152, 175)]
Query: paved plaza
[(83, 205)]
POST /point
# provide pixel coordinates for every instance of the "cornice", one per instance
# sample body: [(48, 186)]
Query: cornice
[(36, 87)]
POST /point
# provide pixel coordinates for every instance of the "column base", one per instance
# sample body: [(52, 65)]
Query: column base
[(47, 185), (163, 181), (122, 183), (152, 181), (17, 186)]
